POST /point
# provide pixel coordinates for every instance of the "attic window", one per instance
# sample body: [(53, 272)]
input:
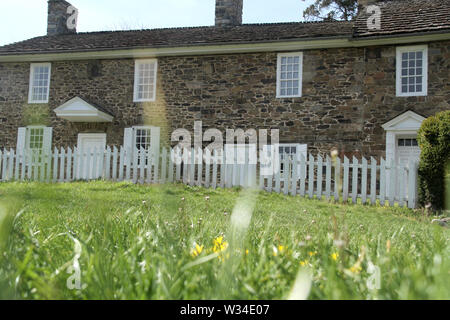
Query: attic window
[(39, 83), (289, 75), (412, 69), (145, 80)]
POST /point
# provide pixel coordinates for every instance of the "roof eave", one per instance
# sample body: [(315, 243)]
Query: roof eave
[(228, 48)]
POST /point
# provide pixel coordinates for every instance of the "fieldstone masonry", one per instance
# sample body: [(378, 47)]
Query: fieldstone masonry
[(229, 12), (348, 94), (57, 18)]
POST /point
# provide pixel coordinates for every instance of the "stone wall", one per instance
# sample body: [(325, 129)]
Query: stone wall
[(347, 95)]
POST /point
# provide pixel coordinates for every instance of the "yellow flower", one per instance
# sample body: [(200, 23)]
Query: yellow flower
[(281, 248), (197, 250), (335, 256), (247, 252), (220, 245), (304, 263), (312, 253), (356, 269)]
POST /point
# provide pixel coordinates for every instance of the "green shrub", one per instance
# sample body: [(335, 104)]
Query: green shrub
[(434, 142)]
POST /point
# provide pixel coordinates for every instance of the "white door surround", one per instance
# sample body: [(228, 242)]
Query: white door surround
[(88, 142), (404, 126)]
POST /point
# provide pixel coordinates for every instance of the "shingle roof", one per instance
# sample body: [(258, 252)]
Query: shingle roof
[(175, 37), (398, 17), (406, 16)]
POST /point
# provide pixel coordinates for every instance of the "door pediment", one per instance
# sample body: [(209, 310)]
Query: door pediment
[(78, 110), (408, 121)]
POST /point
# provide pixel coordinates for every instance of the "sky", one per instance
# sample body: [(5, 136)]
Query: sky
[(24, 19)]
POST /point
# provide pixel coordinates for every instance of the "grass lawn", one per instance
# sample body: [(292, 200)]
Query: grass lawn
[(178, 242)]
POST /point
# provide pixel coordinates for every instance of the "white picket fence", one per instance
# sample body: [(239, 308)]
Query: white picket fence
[(366, 181)]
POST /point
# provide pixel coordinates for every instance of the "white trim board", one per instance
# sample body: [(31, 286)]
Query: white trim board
[(223, 49)]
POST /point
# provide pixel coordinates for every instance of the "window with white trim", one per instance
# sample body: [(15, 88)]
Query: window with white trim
[(287, 151), (289, 75), (35, 138), (145, 73), (39, 83), (142, 138), (412, 71), (35, 141)]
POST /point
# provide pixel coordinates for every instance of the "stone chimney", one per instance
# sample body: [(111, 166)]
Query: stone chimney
[(229, 12), (58, 15)]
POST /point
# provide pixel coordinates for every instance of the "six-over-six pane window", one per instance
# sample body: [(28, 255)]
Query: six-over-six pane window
[(39, 82), (145, 80), (289, 75), (412, 71)]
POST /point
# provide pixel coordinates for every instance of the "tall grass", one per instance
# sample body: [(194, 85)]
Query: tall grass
[(179, 242)]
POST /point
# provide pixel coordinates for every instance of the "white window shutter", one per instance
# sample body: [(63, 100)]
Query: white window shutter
[(128, 142), (47, 143), (21, 137), (302, 149), (155, 140)]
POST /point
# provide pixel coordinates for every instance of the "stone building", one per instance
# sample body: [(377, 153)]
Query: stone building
[(358, 87)]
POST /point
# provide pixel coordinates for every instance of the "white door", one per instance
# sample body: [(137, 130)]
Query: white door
[(407, 148), (87, 144)]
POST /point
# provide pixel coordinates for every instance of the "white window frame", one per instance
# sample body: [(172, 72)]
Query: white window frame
[(400, 51), (30, 90), (137, 63), (300, 74), (28, 135), (135, 129)]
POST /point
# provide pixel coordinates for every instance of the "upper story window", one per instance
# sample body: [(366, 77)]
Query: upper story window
[(412, 71), (39, 83), (289, 75), (145, 72)]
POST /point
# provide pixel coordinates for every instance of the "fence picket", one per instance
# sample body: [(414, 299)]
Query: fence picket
[(345, 182), (62, 158), (392, 185), (294, 178), (302, 174), (382, 182), (171, 156), (412, 184), (319, 176), (207, 167), (373, 181), (311, 176), (142, 165), (328, 178), (355, 172), (164, 166), (401, 177)]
